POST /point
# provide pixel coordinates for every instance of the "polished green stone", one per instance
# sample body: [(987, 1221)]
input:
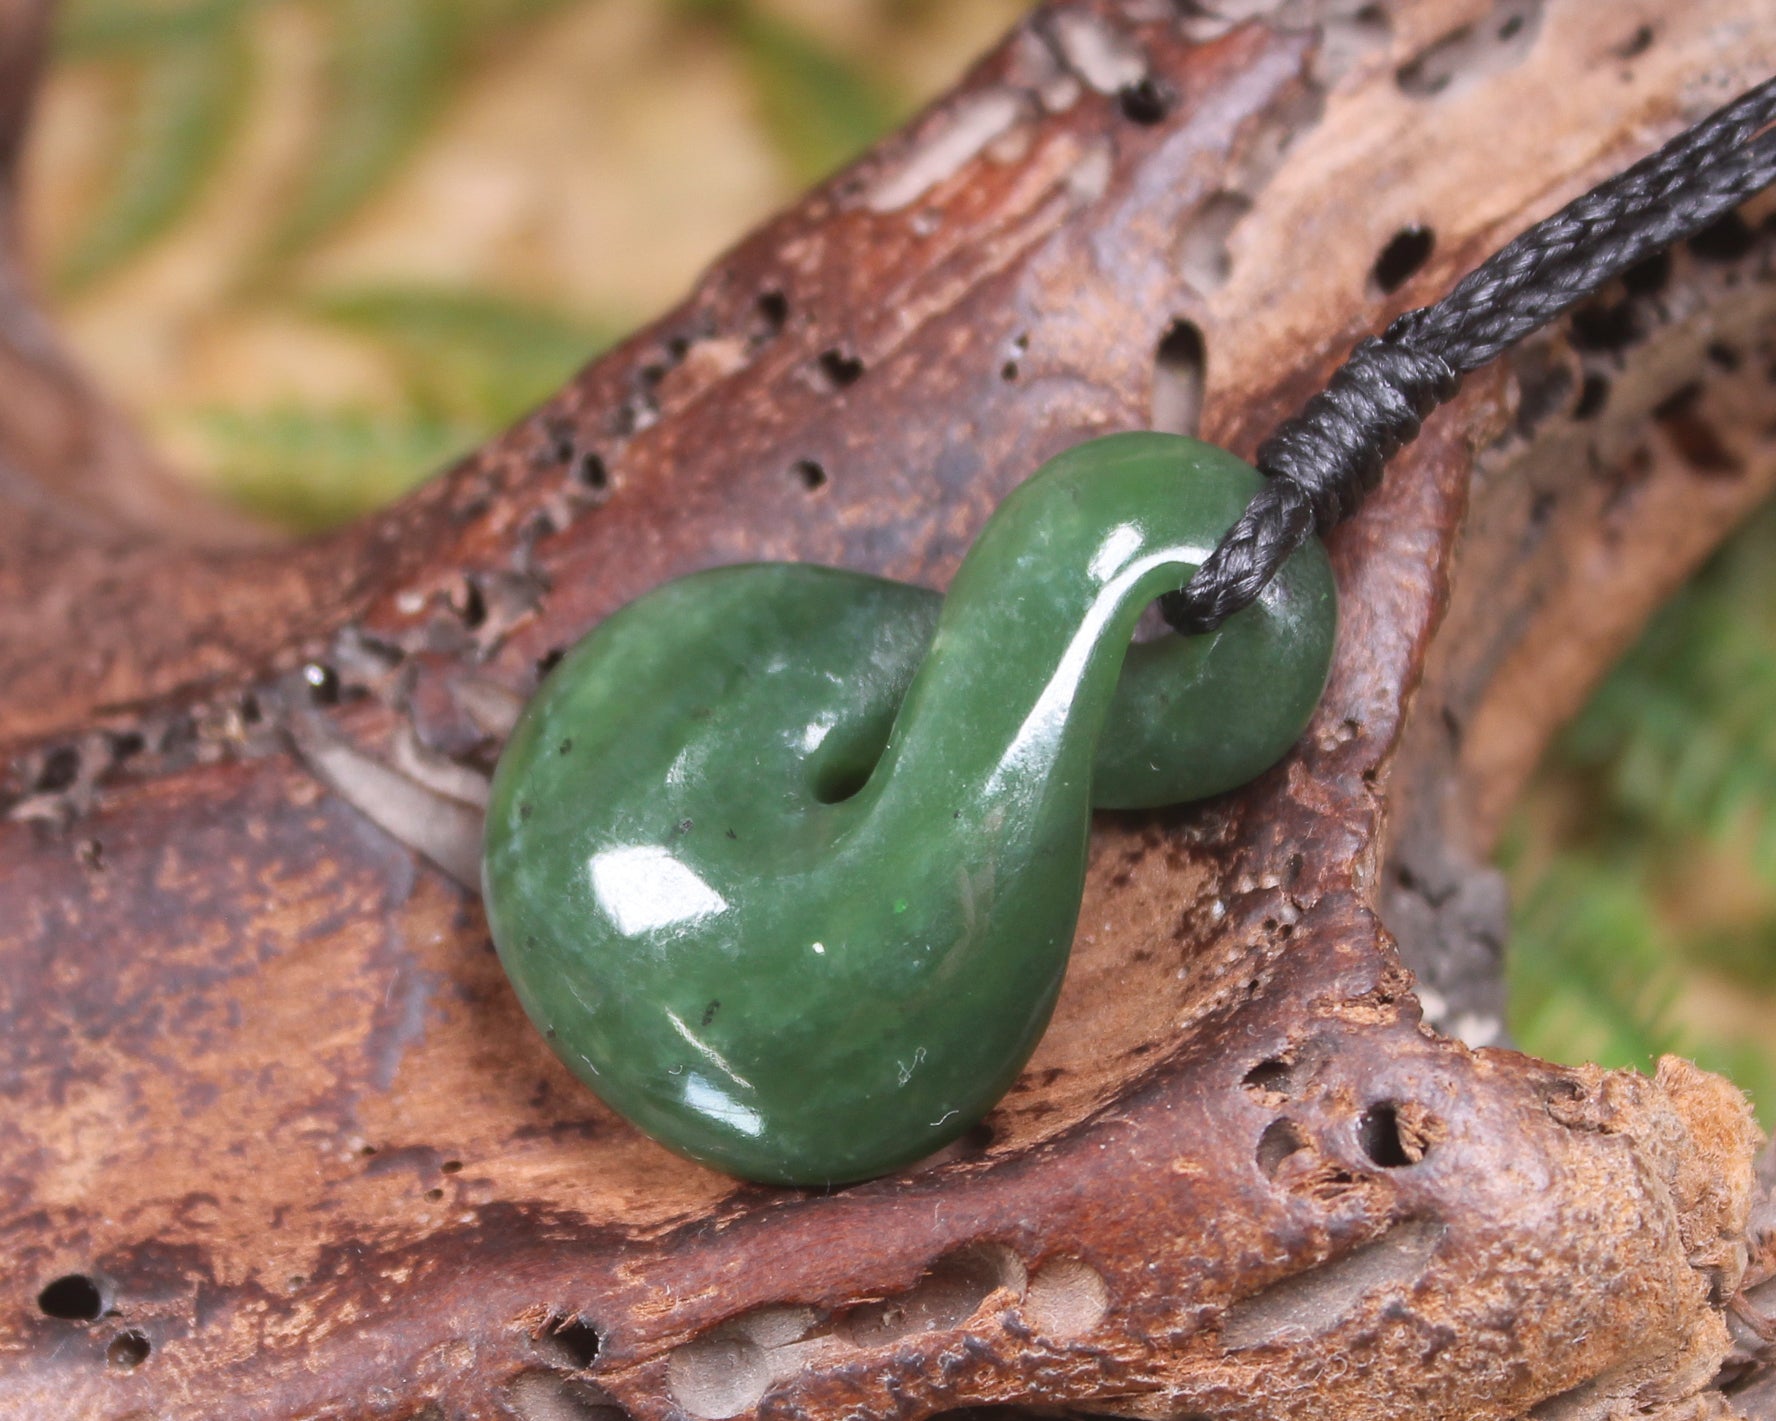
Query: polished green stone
[(785, 861)]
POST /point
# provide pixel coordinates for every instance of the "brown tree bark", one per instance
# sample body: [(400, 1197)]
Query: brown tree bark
[(265, 1087)]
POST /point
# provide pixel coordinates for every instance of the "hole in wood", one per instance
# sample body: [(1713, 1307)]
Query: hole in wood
[(718, 1376), (1145, 101), (60, 769), (773, 309), (1379, 1133), (542, 1396), (1281, 1138), (128, 1350), (125, 744), (1067, 1298), (1649, 276), (1274, 1075), (1489, 46), (1402, 258), (1723, 356), (1612, 326), (571, 1341), (322, 682), (1727, 240), (74, 1297), (1316, 1301), (811, 475), (839, 369), (1018, 345), (950, 1293), (1694, 435), (1180, 370), (471, 604), (591, 472), (1593, 396), (1395, 1135), (1544, 388), (1636, 44), (1203, 256)]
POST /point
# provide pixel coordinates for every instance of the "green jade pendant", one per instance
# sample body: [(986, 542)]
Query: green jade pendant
[(785, 861)]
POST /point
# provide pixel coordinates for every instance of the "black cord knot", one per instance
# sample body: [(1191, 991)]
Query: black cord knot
[(1321, 463), (1374, 404)]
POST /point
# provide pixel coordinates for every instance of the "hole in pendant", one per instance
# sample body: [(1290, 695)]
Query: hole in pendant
[(836, 782), (1180, 367), (1402, 258), (73, 1298)]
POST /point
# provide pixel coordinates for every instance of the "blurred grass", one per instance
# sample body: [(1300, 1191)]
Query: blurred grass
[(325, 245), (819, 107), (183, 98), (1644, 861), (230, 177)]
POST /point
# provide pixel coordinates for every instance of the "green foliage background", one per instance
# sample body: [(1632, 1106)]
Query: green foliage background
[(1644, 861), (469, 360)]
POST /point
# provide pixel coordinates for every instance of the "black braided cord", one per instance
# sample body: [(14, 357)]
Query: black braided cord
[(1324, 461)]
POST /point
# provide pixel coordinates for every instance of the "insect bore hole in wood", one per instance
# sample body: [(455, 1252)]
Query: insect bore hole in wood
[(1402, 258), (840, 369), (74, 1297), (1180, 374), (128, 1350)]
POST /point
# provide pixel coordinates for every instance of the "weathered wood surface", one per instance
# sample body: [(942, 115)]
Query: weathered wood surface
[(264, 1083)]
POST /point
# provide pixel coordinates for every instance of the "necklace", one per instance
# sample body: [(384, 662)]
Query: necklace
[(785, 861)]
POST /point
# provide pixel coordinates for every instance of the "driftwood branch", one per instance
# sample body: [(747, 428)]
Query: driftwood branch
[(277, 1140)]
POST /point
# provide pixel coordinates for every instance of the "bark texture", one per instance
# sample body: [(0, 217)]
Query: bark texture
[(267, 1092)]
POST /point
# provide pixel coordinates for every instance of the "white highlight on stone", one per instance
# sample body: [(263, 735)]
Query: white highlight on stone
[(643, 889)]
